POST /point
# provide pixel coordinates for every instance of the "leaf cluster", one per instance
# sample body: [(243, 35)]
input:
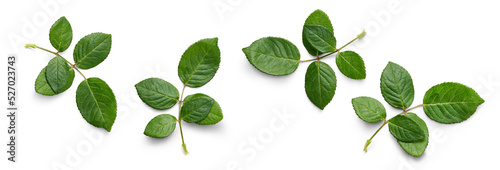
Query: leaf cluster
[(278, 56)]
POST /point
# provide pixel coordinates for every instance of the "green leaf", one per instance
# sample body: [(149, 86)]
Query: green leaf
[(60, 34), (369, 109), (351, 65), (397, 86), (43, 88), (320, 83), (161, 126), (416, 148), (213, 117), (157, 93), (199, 63), (273, 55), (320, 38), (451, 102), (318, 17), (196, 107), (92, 49), (96, 103), (405, 129), (58, 74)]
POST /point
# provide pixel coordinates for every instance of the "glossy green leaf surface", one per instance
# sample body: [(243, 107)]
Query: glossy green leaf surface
[(317, 17), (273, 55), (157, 93), (369, 109), (397, 86), (199, 63), (96, 103), (451, 102), (320, 83), (43, 88), (320, 38), (405, 129), (91, 50), (161, 126), (416, 148), (61, 34), (214, 116), (196, 107), (58, 74), (351, 65)]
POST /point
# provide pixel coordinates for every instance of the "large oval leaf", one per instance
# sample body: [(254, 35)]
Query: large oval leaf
[(213, 117), (320, 38), (61, 34), (451, 102), (320, 83), (317, 17), (43, 88), (351, 65), (91, 50), (405, 129), (96, 103), (369, 109), (416, 148), (161, 126), (157, 93), (58, 74), (273, 55), (397, 86), (196, 107), (199, 63)]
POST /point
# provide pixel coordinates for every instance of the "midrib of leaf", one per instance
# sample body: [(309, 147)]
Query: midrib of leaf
[(319, 82), (195, 110), (321, 38), (95, 100), (372, 110), (343, 58), (403, 128), (60, 37), (159, 93), (91, 51), (397, 86), (273, 55), (198, 65)]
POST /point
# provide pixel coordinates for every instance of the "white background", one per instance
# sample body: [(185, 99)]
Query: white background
[(436, 41)]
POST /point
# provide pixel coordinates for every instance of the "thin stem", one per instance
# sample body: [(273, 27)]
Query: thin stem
[(180, 120), (57, 54), (359, 36), (370, 140), (407, 110)]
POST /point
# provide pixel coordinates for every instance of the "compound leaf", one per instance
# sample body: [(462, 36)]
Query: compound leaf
[(351, 65), (161, 126), (96, 103), (199, 63), (157, 93), (397, 86), (92, 49), (369, 109), (61, 34), (320, 83), (273, 55), (451, 102)]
